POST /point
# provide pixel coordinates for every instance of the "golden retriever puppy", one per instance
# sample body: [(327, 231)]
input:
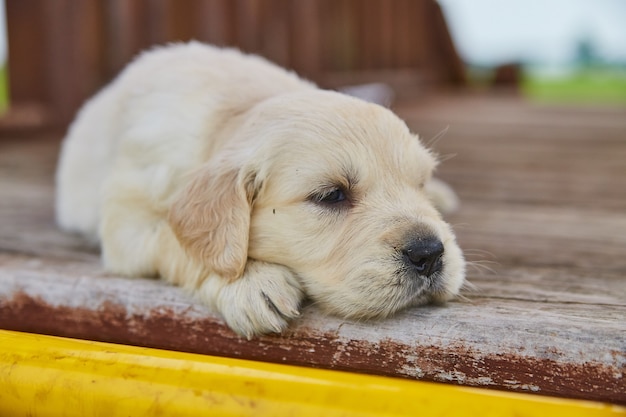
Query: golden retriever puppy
[(231, 177)]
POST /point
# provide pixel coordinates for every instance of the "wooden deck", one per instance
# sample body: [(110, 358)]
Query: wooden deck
[(543, 218)]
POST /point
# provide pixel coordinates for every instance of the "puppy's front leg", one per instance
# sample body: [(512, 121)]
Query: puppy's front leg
[(263, 300)]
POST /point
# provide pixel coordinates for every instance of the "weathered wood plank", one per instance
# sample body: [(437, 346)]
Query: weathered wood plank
[(547, 347), (542, 156), (543, 207)]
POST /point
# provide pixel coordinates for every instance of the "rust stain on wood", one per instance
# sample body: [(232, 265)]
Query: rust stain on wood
[(166, 329)]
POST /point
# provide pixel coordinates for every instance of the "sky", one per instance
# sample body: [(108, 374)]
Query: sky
[(492, 32), (3, 32)]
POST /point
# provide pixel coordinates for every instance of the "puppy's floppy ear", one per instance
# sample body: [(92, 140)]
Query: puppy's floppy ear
[(211, 217)]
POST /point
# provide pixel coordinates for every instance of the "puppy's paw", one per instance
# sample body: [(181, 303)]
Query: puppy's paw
[(442, 196), (263, 300)]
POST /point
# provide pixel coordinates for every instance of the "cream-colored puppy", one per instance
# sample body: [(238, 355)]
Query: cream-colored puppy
[(227, 175)]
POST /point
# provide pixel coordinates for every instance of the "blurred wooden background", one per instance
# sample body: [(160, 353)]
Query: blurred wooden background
[(62, 51)]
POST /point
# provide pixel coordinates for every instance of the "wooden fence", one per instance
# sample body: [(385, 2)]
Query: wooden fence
[(61, 51)]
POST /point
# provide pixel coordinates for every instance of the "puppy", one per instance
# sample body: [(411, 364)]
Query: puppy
[(231, 177)]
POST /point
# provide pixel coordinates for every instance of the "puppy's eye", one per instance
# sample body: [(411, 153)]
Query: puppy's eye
[(333, 197)]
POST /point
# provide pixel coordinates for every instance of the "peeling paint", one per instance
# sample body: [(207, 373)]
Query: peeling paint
[(165, 328)]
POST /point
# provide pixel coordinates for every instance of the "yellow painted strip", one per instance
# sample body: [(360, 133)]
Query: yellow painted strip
[(52, 376)]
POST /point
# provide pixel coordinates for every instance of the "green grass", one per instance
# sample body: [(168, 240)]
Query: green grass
[(4, 88), (601, 86)]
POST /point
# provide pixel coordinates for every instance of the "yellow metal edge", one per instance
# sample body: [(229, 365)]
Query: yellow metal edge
[(53, 376)]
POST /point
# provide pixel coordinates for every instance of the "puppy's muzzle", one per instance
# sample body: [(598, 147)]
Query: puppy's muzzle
[(424, 255)]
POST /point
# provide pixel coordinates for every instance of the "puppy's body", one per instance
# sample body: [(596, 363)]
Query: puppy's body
[(166, 114), (232, 177)]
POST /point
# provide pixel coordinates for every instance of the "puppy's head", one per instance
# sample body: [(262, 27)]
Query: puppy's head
[(334, 188)]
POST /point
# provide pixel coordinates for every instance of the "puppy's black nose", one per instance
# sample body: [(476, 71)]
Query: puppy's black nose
[(425, 255)]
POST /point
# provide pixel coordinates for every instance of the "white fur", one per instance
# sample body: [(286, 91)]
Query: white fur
[(201, 165)]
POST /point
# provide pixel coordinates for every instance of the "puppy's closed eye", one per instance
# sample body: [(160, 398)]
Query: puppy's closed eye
[(332, 197)]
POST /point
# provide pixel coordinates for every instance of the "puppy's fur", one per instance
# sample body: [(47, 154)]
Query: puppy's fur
[(227, 175)]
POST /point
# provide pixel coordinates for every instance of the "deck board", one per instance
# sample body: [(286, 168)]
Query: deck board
[(543, 218)]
